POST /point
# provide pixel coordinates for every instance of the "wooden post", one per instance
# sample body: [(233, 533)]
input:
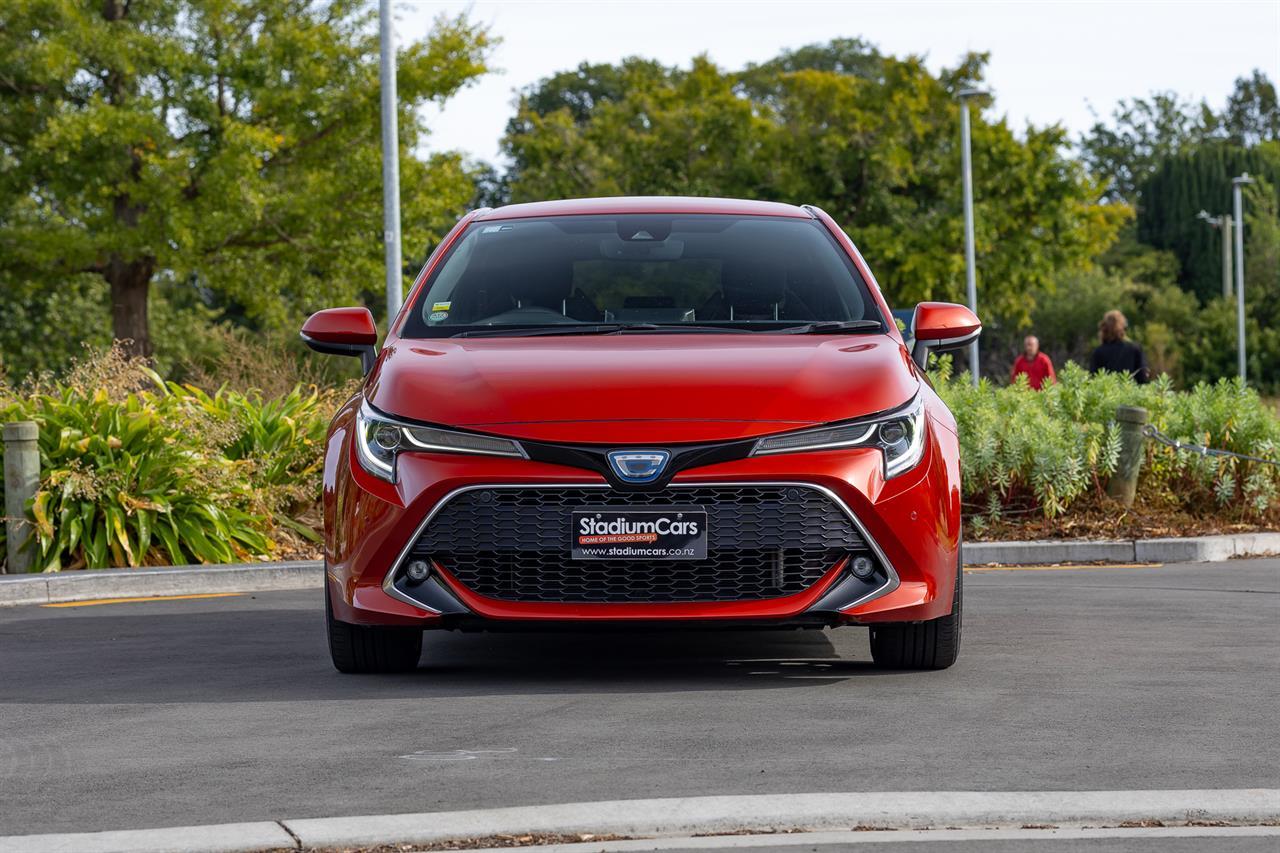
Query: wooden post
[(1124, 482), (21, 480)]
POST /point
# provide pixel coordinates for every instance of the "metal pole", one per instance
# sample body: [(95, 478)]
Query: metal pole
[(970, 276), (1226, 255), (390, 159), (1237, 203), (21, 480)]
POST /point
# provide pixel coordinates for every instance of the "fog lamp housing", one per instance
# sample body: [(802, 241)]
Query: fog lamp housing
[(862, 567), (418, 571)]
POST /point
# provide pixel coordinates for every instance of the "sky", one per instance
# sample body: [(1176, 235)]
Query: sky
[(1051, 61)]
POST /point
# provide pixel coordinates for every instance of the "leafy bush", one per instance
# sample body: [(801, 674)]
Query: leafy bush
[(236, 357), (282, 438), (1027, 451), (136, 471)]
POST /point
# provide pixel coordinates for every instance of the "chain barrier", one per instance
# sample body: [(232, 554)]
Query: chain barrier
[(1151, 432)]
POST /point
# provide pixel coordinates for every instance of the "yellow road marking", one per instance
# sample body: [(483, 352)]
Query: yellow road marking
[(1057, 567), (96, 601)]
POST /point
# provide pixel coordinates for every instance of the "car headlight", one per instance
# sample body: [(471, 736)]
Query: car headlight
[(900, 437), (380, 440)]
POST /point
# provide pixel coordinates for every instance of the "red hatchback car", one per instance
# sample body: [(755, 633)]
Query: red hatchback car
[(662, 411)]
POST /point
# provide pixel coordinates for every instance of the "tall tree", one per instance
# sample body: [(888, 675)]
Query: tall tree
[(1181, 187), (872, 139), (1262, 250), (848, 56), (1252, 115), (233, 139), (1143, 132)]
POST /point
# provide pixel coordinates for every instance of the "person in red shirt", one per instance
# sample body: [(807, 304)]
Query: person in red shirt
[(1035, 364)]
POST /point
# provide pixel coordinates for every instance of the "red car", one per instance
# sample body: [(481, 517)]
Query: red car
[(668, 411)]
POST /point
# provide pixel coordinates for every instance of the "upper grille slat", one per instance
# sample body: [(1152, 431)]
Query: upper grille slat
[(764, 541)]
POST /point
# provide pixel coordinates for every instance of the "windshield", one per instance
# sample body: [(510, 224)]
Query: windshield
[(750, 273)]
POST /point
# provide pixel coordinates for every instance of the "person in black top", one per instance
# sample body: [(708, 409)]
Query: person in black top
[(1116, 353)]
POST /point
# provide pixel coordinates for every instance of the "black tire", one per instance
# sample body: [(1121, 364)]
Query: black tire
[(371, 648), (922, 645)]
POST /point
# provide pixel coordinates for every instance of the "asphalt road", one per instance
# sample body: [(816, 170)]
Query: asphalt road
[(131, 715)]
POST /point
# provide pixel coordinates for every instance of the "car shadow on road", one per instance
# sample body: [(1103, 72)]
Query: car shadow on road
[(252, 655), (622, 659)]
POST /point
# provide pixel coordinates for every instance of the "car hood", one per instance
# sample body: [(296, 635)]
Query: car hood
[(620, 387)]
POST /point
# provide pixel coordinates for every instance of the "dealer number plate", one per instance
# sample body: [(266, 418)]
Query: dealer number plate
[(652, 533)]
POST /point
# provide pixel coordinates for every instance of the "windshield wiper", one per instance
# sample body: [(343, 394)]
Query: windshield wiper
[(534, 331), (831, 327), (678, 327), (599, 329)]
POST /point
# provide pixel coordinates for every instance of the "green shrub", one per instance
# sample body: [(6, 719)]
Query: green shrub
[(1023, 450), (135, 471), (282, 438)]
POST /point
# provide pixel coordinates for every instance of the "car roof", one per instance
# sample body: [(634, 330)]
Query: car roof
[(646, 204)]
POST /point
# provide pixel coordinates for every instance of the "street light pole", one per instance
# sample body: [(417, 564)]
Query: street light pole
[(970, 274), (390, 158), (1223, 224), (1237, 204), (1226, 256)]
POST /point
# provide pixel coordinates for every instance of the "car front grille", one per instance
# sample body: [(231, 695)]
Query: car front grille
[(764, 541)]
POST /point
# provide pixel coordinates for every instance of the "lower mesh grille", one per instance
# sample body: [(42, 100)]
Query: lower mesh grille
[(763, 542)]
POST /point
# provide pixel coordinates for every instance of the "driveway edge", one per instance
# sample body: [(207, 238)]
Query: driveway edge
[(770, 812), (173, 580), (218, 838), (691, 815), (1188, 549), (307, 574)]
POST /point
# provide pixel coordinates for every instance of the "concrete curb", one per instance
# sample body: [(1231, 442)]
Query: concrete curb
[(1190, 549), (914, 809), (307, 574), (174, 580), (1202, 549), (1049, 551), (221, 838), (684, 816)]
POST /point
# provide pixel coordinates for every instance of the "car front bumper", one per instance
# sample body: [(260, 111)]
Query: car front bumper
[(910, 524)]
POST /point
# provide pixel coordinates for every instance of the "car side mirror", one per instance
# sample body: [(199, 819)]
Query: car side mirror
[(343, 331), (942, 327)]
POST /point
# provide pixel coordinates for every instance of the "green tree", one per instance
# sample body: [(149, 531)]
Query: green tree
[(1183, 185), (583, 89), (1142, 133), (852, 57), (235, 141), (871, 139), (1145, 132), (654, 132), (1262, 278), (1252, 115)]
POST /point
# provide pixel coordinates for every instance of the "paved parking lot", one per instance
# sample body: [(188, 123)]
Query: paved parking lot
[(165, 713)]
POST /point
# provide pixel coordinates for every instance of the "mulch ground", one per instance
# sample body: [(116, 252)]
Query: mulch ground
[(1111, 522)]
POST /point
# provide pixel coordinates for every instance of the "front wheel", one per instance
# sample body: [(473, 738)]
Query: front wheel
[(370, 648), (934, 644)]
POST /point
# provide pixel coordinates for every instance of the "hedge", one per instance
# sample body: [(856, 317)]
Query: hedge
[(1045, 451), (139, 471)]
